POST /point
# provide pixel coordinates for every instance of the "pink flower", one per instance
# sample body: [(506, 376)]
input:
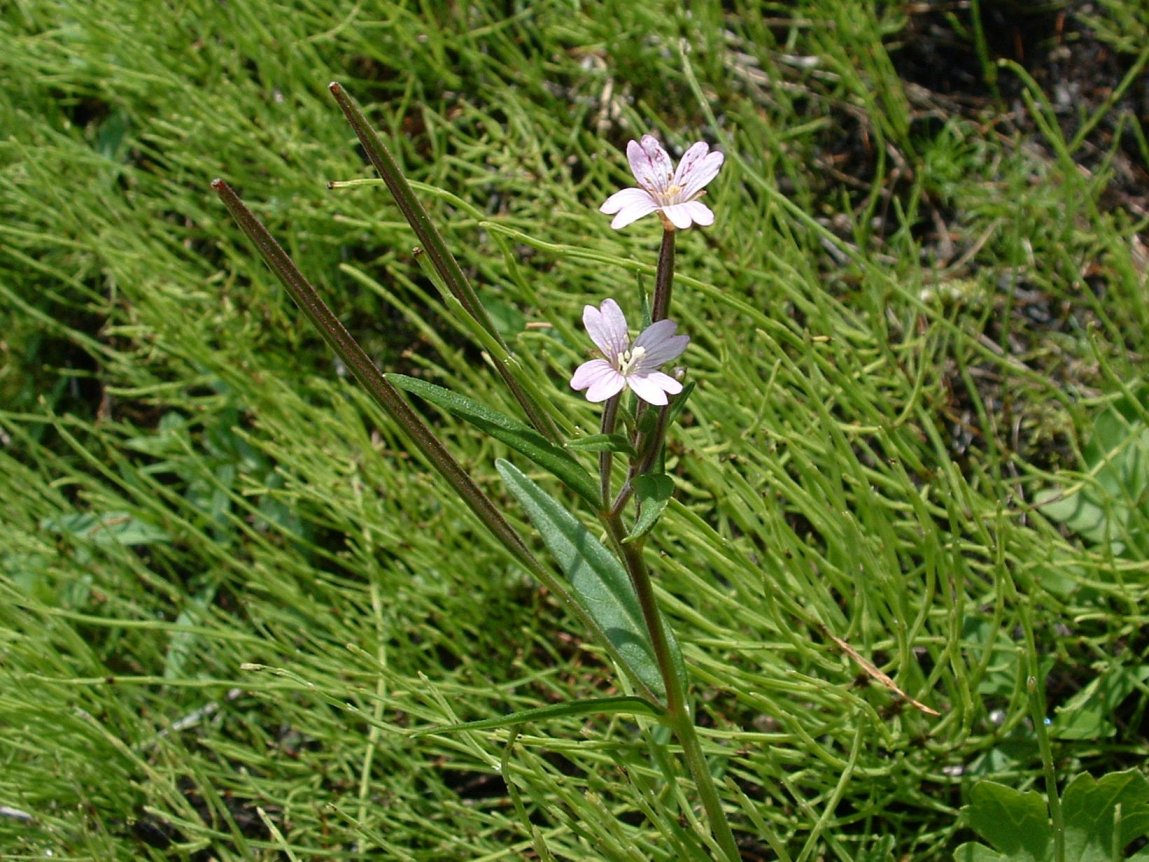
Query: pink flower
[(673, 194), (625, 364)]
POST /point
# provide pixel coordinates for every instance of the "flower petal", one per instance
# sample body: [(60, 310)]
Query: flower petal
[(661, 345), (684, 215), (689, 161), (632, 214), (607, 385), (621, 200), (697, 168), (654, 387), (650, 163), (702, 215), (679, 215), (630, 204), (597, 375), (606, 326)]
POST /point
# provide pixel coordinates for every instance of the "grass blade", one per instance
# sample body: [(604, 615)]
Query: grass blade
[(622, 705)]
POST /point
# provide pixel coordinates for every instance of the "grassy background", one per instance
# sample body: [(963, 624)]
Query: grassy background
[(227, 592)]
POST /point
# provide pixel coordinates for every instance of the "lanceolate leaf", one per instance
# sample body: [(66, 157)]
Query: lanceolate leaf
[(519, 436), (597, 579), (654, 491)]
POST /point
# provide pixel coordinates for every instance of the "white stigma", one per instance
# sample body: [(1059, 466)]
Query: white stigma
[(628, 359)]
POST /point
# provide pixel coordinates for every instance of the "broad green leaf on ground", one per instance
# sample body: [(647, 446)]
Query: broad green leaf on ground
[(1089, 714), (519, 436), (186, 637), (110, 528), (1112, 508), (598, 580), (1015, 823), (1101, 816), (978, 853)]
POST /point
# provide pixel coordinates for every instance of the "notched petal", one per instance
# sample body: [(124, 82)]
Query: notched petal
[(700, 213), (650, 163), (662, 348), (655, 334), (690, 161), (614, 319), (606, 326), (697, 175)]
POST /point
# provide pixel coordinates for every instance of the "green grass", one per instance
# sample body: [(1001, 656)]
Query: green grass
[(228, 594)]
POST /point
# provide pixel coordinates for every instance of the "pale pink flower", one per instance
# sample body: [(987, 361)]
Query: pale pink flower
[(625, 364), (673, 194)]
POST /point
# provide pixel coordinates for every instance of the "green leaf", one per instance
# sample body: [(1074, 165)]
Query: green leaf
[(1103, 816), (882, 850), (1080, 513), (1015, 823), (1089, 713), (977, 853), (647, 420), (110, 528), (187, 637), (519, 436), (653, 491), (622, 705), (598, 580), (1112, 506)]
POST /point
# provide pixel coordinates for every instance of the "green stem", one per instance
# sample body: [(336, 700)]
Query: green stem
[(677, 709), (1037, 716), (664, 279), (436, 249), (981, 48), (687, 735), (644, 590), (677, 716)]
